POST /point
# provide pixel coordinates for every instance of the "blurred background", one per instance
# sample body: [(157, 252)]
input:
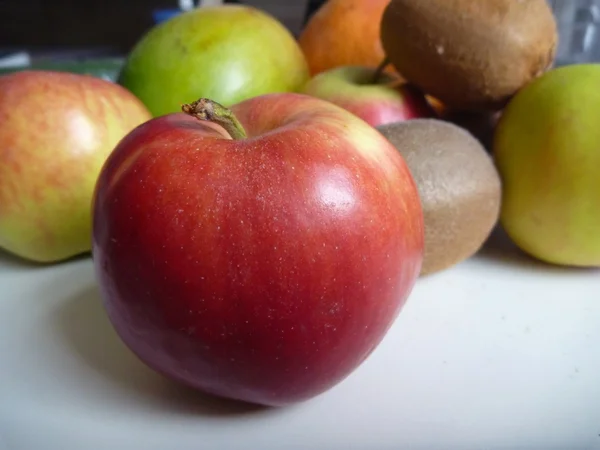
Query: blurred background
[(44, 33), (41, 30), (578, 22)]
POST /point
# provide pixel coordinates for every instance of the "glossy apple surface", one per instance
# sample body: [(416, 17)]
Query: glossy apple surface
[(56, 131), (263, 269), (378, 102)]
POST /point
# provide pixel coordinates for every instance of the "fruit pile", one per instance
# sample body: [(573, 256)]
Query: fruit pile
[(259, 207)]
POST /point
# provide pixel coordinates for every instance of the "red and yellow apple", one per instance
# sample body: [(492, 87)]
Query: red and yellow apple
[(56, 130), (378, 99), (259, 255)]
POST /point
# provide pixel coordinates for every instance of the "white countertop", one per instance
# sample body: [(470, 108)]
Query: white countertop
[(500, 352)]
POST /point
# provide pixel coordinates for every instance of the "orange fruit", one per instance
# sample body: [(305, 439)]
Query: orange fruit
[(344, 33)]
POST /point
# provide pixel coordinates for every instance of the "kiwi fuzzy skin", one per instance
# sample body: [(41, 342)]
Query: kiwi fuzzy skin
[(472, 55), (459, 186)]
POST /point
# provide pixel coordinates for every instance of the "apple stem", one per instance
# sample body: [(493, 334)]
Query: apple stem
[(380, 68), (206, 109)]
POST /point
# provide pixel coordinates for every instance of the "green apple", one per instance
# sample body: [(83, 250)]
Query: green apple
[(56, 131), (227, 53), (547, 149)]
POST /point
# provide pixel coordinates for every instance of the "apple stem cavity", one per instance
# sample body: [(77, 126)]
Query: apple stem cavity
[(380, 68), (209, 110)]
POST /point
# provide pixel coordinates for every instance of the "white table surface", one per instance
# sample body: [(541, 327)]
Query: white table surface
[(500, 352)]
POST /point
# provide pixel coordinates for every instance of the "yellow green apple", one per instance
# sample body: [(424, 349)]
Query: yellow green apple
[(547, 149), (228, 53), (56, 131)]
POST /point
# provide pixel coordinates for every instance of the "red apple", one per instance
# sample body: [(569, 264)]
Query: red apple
[(378, 100), (262, 265)]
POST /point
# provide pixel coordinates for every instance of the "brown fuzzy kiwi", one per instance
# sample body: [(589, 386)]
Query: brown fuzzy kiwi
[(458, 183), (470, 54)]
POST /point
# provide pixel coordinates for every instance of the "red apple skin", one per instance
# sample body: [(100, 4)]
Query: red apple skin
[(388, 100), (264, 269)]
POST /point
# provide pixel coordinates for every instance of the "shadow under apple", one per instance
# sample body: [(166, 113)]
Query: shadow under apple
[(87, 331), (13, 261)]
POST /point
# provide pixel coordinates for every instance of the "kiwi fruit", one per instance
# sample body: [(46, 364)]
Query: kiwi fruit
[(470, 54), (458, 183)]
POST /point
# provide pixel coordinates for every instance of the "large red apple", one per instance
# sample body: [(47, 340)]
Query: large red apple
[(376, 98), (263, 265)]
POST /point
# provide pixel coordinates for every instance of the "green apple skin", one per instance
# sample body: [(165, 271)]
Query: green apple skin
[(547, 149), (56, 131), (227, 53)]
